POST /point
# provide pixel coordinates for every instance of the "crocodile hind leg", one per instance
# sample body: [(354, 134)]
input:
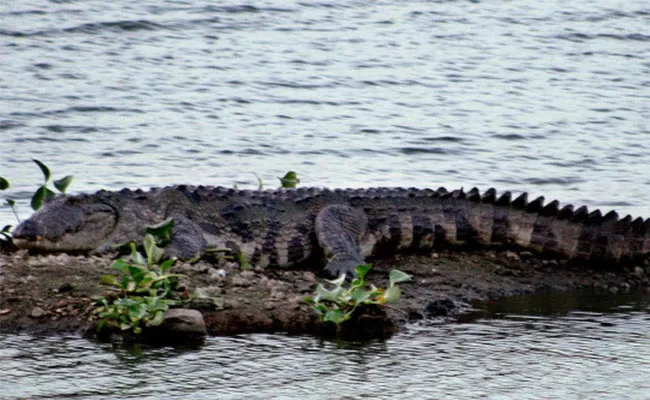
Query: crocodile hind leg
[(339, 229)]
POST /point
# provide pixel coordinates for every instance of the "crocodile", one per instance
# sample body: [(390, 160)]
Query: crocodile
[(341, 226)]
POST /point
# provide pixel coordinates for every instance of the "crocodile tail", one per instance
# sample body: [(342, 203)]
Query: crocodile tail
[(551, 230)]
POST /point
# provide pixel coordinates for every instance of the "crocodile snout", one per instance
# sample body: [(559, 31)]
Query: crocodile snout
[(28, 230)]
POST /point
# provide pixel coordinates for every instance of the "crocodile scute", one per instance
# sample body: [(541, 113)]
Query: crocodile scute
[(343, 226)]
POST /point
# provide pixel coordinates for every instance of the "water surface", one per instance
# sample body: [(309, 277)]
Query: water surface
[(598, 350)]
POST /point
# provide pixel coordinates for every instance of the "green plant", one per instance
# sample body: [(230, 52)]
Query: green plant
[(143, 294), (339, 303), (289, 180), (44, 192), (6, 230), (38, 198)]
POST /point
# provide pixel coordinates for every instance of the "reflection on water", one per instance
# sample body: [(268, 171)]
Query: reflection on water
[(602, 350)]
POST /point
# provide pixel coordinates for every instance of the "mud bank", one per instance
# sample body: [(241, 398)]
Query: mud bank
[(49, 294)]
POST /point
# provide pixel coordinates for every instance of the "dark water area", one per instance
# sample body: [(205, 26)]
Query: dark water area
[(547, 97)]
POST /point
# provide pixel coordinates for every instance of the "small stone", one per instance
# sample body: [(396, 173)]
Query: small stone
[(66, 287), (212, 291), (221, 273), (184, 322), (309, 276), (62, 258), (513, 256), (247, 274), (277, 295), (639, 272), (435, 255), (232, 265), (37, 312), (241, 282), (231, 303)]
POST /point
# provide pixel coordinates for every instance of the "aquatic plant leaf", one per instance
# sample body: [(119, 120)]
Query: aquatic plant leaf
[(157, 319), (260, 184), (362, 270), (110, 280), (336, 316), (289, 180), (4, 184), (397, 276), (166, 265), (120, 265), (324, 294), (44, 169), (162, 230), (359, 295), (392, 294), (338, 281), (153, 252), (62, 184), (39, 197), (136, 257)]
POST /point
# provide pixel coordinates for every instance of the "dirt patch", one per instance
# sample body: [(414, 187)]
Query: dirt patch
[(52, 293)]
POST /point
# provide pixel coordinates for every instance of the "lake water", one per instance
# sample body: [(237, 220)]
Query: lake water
[(547, 97), (533, 349)]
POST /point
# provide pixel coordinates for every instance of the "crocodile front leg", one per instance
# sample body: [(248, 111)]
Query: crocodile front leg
[(339, 229), (187, 240)]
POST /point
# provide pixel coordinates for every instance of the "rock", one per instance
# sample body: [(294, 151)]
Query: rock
[(247, 274), (212, 291), (513, 256), (241, 281), (62, 258), (277, 295), (183, 323), (66, 287), (309, 276), (231, 303), (639, 272), (440, 308), (219, 274), (37, 312)]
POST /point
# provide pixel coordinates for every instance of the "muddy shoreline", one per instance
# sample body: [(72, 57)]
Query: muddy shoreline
[(51, 294)]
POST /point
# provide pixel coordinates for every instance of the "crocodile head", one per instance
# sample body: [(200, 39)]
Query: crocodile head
[(69, 224)]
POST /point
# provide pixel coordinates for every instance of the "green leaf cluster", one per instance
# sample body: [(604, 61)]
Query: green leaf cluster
[(144, 290), (289, 180), (44, 193), (338, 303), (39, 197), (6, 230)]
